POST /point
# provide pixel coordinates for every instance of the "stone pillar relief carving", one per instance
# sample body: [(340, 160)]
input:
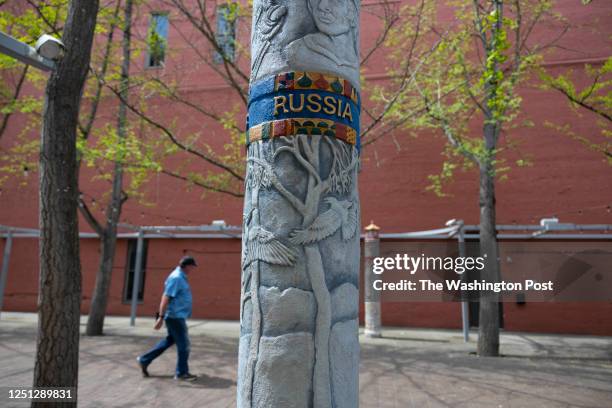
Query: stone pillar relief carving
[(300, 254)]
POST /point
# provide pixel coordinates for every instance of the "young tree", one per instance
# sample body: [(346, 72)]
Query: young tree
[(118, 152), (114, 151), (59, 301), (108, 144), (108, 232), (459, 77)]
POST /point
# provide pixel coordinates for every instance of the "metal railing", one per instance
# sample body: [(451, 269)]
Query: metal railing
[(549, 228)]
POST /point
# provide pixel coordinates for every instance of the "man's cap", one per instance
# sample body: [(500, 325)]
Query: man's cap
[(187, 260)]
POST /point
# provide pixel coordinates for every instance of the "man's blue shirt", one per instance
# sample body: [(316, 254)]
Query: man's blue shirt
[(178, 290)]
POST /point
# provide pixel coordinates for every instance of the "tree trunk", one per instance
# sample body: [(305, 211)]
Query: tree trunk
[(488, 328), (488, 325), (57, 346), (99, 301)]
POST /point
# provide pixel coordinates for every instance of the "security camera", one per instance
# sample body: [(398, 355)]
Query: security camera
[(49, 47)]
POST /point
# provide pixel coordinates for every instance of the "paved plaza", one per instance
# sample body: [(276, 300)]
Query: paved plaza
[(407, 368)]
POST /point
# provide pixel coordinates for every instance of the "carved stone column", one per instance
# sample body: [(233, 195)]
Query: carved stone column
[(372, 297), (300, 257)]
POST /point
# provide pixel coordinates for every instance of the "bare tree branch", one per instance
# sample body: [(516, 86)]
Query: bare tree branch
[(581, 102), (198, 108), (408, 74), (89, 217), (7, 116), (203, 25), (86, 128), (165, 130), (51, 25), (202, 184), (390, 18)]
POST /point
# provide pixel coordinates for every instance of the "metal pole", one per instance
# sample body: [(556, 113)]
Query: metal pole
[(5, 264), (137, 274), (465, 316), (24, 53)]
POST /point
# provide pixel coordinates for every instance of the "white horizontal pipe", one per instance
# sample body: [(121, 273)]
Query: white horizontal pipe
[(183, 227), (421, 234), (235, 232), (560, 227)]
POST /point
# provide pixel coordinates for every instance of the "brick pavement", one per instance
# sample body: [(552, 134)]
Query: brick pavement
[(409, 368)]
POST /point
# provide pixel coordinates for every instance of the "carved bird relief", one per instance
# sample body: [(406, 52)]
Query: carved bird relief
[(262, 245), (341, 214)]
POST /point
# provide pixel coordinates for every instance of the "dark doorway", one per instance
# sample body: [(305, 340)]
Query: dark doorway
[(130, 267)]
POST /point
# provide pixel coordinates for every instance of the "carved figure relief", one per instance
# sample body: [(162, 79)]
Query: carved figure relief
[(310, 35), (334, 46)]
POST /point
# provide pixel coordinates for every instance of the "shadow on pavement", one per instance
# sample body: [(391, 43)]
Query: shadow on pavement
[(207, 381)]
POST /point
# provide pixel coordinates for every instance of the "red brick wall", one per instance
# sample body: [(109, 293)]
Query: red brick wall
[(570, 317), (216, 290), (566, 180), (215, 284), (21, 291)]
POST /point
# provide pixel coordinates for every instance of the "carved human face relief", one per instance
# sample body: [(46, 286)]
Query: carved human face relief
[(332, 17)]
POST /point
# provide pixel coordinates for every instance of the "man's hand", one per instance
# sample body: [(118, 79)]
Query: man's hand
[(159, 322)]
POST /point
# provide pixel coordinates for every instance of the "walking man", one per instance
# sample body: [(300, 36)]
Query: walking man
[(174, 309)]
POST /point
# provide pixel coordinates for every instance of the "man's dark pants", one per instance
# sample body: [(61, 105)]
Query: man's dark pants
[(177, 334)]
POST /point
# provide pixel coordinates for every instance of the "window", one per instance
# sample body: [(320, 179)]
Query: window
[(130, 267), (157, 40), (226, 32)]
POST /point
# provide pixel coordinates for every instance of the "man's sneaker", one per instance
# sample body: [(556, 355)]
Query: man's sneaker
[(186, 377), (143, 367)]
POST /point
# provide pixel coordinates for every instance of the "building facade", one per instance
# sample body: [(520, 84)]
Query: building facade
[(566, 180)]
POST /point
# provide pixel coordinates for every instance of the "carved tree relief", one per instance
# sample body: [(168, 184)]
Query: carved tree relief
[(260, 245)]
